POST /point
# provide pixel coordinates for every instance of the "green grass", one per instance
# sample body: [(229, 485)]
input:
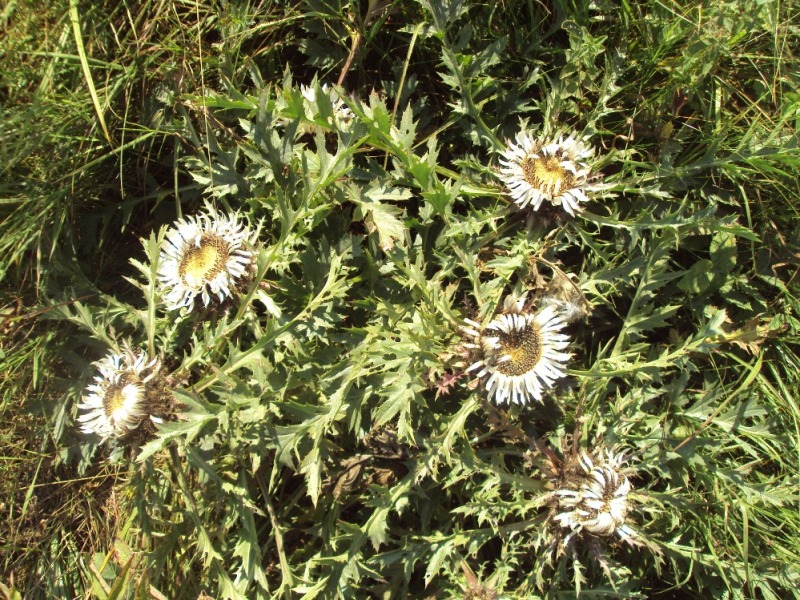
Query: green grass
[(316, 455)]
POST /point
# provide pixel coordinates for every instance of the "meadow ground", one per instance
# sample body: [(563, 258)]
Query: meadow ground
[(504, 299)]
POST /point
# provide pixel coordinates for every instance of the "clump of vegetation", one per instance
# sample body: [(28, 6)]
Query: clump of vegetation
[(435, 299)]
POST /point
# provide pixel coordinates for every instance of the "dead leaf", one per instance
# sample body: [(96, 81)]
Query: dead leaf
[(349, 476), (751, 335)]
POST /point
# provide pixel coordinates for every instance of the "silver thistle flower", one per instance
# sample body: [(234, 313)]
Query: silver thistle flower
[(116, 402), (553, 170), (341, 112), (203, 255), (596, 502), (520, 353)]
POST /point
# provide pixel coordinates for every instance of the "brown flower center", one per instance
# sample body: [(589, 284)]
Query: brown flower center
[(546, 174), (524, 347), (200, 264)]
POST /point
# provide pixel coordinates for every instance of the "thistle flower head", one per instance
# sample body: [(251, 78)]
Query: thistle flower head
[(341, 112), (594, 499), (519, 353), (565, 295), (203, 255), (117, 401), (553, 170)]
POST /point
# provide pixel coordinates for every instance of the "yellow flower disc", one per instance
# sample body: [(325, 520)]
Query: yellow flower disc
[(204, 262)]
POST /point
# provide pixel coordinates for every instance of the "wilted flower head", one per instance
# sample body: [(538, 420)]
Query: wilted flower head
[(554, 170), (594, 498), (203, 255), (117, 401), (565, 294), (520, 352)]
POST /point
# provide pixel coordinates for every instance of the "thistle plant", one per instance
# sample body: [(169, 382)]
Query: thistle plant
[(499, 313)]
